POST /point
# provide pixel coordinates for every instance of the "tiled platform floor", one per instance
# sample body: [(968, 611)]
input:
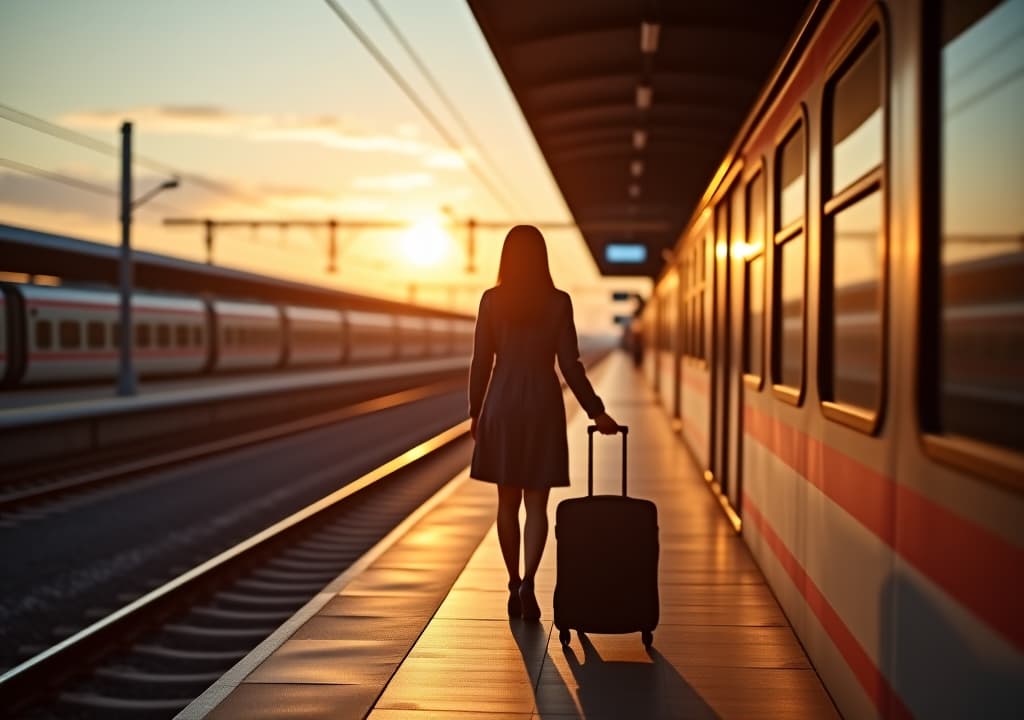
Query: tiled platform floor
[(722, 649)]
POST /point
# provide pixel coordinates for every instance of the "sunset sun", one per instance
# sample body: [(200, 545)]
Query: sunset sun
[(425, 244)]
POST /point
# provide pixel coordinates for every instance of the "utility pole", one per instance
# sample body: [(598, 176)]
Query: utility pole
[(126, 382)]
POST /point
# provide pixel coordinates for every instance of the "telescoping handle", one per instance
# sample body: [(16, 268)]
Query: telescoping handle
[(624, 429)]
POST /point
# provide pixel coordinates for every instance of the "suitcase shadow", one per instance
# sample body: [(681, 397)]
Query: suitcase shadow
[(604, 690)]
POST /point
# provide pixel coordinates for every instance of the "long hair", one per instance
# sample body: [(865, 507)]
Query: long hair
[(523, 272)]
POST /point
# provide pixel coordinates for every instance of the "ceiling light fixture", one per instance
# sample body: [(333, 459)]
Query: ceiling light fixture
[(649, 32), (636, 168), (639, 139), (644, 95), (634, 190)]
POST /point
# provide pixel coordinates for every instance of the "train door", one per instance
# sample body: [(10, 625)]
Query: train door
[(734, 267), (720, 348), (726, 381)]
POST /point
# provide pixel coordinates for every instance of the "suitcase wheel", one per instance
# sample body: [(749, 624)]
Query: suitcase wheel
[(648, 638), (564, 636)]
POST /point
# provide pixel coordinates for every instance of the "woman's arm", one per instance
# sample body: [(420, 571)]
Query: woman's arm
[(483, 359), (572, 369)]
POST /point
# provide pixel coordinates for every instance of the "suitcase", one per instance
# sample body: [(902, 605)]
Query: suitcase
[(607, 560)]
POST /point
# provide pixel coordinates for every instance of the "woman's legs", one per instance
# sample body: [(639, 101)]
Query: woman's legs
[(536, 536), (509, 499), (536, 531)]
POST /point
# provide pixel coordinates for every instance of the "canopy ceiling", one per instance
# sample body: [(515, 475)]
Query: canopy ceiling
[(575, 67)]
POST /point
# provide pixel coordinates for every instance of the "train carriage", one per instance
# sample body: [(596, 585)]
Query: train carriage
[(74, 335), (413, 336), (316, 336), (250, 336), (463, 332), (851, 321), (371, 336), (442, 339)]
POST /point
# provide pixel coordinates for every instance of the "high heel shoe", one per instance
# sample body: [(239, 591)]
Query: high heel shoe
[(515, 606), (528, 600)]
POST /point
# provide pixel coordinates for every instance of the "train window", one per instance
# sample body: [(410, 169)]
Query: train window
[(181, 335), (229, 336), (789, 267), (96, 335), (853, 249), (791, 184), (197, 336), (115, 334), (856, 115), (163, 335), (753, 282), (44, 335), (70, 334), (974, 344), (693, 299), (788, 325), (143, 335)]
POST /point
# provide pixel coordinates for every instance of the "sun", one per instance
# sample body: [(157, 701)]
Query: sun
[(425, 244)]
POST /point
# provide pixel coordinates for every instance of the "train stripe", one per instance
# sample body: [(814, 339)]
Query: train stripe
[(874, 682), (964, 559)]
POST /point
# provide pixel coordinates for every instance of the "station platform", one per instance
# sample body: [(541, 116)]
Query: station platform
[(417, 629)]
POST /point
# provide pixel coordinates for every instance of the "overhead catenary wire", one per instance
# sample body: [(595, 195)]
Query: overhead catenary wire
[(69, 181), (439, 91), (76, 183), (38, 124), (416, 100)]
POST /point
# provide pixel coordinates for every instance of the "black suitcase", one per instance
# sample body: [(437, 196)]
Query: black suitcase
[(607, 555)]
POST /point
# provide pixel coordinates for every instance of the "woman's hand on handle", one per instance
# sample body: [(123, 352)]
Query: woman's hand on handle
[(606, 425)]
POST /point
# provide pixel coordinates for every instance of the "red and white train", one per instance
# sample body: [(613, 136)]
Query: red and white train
[(63, 334), (840, 339)]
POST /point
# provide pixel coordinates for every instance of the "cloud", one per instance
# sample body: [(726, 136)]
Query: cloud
[(394, 183), (326, 130)]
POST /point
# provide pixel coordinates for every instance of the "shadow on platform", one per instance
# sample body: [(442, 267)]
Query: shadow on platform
[(598, 685)]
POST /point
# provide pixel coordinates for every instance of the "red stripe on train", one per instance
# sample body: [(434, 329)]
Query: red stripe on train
[(860, 663), (973, 565)]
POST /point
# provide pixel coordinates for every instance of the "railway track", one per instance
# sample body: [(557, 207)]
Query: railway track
[(153, 656), (26, 489)]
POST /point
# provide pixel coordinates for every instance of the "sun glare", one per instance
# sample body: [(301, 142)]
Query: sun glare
[(425, 244)]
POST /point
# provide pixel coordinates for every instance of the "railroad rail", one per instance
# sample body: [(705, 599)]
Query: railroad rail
[(211, 615)]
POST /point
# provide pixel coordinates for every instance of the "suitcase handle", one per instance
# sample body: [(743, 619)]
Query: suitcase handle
[(591, 429)]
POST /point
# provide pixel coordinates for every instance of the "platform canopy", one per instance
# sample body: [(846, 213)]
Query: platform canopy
[(634, 103)]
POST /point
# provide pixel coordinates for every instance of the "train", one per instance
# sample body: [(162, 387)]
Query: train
[(67, 334), (837, 339)]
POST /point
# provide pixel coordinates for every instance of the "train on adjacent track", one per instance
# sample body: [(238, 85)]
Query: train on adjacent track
[(838, 340), (70, 334)]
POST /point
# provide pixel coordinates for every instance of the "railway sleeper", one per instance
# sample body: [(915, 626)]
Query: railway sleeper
[(230, 599), (116, 707), (213, 614)]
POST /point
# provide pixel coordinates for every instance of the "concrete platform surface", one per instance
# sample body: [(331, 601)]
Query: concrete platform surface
[(421, 633)]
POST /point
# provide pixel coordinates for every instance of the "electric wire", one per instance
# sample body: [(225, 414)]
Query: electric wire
[(449, 105), (416, 100), (46, 127), (73, 182)]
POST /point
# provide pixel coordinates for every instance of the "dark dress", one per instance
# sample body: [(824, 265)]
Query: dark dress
[(521, 435)]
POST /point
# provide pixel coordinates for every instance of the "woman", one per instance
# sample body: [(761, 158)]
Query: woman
[(520, 428)]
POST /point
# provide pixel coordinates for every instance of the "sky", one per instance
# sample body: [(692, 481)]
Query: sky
[(280, 105)]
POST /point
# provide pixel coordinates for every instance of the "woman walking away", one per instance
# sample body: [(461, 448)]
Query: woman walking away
[(525, 323)]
